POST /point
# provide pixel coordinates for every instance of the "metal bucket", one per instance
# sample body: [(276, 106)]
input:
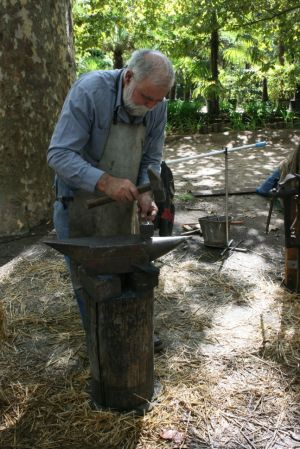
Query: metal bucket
[(214, 230)]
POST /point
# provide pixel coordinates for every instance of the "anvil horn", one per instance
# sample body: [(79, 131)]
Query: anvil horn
[(120, 254), (159, 246)]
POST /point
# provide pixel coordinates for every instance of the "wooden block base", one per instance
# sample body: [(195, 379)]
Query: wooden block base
[(120, 343)]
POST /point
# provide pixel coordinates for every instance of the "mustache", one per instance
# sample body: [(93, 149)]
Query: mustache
[(136, 110), (133, 109)]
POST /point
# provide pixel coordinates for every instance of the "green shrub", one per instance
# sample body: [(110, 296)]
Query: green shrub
[(184, 116), (93, 60), (258, 113), (187, 117)]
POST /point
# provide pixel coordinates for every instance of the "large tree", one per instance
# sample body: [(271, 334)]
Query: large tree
[(36, 69), (115, 29)]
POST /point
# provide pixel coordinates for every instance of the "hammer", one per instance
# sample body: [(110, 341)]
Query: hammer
[(155, 185)]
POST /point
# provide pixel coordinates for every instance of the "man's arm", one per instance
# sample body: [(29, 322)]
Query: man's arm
[(120, 189), (70, 136)]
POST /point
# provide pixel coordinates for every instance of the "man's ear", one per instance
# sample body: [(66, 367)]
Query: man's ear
[(128, 76)]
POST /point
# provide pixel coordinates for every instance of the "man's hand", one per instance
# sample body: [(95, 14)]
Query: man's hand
[(147, 207), (119, 189)]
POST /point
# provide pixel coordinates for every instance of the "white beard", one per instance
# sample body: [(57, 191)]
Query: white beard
[(132, 108)]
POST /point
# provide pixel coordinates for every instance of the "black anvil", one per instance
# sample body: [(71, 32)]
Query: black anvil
[(118, 280)]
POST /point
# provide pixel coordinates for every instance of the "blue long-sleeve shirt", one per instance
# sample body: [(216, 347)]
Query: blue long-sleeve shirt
[(81, 132)]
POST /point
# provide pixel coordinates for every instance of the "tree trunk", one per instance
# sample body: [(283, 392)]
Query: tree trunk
[(265, 94), (118, 57), (281, 52), (213, 99), (187, 91), (172, 93), (281, 59), (36, 70)]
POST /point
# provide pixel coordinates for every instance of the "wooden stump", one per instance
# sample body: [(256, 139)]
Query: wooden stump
[(120, 338)]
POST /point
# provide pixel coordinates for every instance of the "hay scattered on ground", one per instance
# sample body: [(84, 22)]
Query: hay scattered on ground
[(229, 374), (2, 323)]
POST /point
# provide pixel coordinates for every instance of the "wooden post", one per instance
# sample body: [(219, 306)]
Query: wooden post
[(292, 261), (120, 337), (292, 253)]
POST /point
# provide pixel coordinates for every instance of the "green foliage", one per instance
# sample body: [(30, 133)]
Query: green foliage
[(186, 197), (257, 113), (208, 89), (237, 48), (287, 115), (187, 117), (184, 116), (115, 28), (236, 121), (241, 84), (93, 60), (282, 80), (256, 42)]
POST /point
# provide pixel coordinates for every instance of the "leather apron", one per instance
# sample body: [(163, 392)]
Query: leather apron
[(121, 158)]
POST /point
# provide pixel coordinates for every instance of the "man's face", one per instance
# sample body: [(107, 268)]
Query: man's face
[(140, 97)]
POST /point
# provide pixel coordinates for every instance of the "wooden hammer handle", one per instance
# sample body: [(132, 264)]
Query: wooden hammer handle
[(107, 199)]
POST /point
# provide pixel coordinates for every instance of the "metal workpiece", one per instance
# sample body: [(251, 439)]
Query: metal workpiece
[(146, 229), (118, 254)]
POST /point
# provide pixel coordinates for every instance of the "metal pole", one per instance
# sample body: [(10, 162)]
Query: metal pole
[(215, 152), (226, 196)]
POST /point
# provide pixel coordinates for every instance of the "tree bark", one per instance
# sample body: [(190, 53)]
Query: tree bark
[(118, 57), (281, 59), (265, 94), (213, 99), (172, 93), (281, 52), (36, 70)]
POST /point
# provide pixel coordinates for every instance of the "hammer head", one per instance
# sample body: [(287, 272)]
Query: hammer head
[(157, 185)]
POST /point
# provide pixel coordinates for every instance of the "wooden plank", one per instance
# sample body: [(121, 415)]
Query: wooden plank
[(204, 193)]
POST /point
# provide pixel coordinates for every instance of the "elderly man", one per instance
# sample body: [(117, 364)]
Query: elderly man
[(110, 130)]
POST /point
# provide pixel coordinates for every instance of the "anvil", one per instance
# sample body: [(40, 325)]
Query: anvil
[(117, 254)]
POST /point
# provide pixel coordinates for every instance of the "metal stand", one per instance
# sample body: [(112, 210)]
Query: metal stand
[(214, 153), (228, 242)]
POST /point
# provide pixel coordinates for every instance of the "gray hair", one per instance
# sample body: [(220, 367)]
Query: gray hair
[(154, 65)]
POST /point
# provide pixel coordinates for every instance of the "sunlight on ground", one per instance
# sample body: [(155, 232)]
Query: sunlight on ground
[(230, 369), (30, 254)]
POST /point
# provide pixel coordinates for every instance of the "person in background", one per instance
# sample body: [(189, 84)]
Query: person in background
[(270, 183), (289, 165), (111, 128)]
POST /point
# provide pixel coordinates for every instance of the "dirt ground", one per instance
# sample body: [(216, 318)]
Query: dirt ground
[(246, 170), (230, 371)]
